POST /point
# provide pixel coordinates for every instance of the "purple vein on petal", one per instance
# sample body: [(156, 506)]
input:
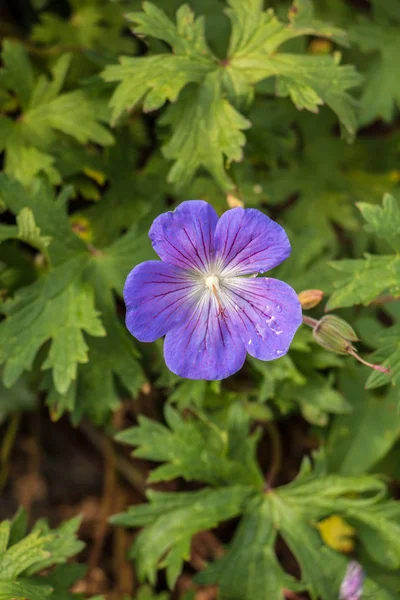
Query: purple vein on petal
[(185, 260), (203, 266), (234, 290), (243, 258)]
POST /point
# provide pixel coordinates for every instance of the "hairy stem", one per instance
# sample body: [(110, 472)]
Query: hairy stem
[(379, 368), (309, 321)]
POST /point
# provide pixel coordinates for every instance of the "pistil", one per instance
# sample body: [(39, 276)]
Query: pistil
[(212, 283)]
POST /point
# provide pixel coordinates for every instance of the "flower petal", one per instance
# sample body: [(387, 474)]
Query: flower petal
[(247, 241), (185, 237), (157, 296), (266, 313), (206, 345)]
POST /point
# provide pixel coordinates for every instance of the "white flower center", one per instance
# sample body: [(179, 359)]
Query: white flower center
[(212, 282)]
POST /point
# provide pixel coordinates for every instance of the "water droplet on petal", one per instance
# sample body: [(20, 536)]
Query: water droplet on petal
[(261, 271), (249, 342), (279, 352), (278, 308), (236, 307), (271, 323)]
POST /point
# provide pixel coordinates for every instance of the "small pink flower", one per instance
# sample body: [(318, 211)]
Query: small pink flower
[(352, 584)]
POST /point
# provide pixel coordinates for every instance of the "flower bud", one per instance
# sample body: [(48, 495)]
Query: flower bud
[(233, 202), (334, 334), (310, 298)]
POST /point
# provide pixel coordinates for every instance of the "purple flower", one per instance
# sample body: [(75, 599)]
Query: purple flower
[(352, 584), (199, 297)]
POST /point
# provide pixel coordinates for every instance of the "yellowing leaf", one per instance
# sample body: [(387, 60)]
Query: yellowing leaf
[(81, 227), (97, 176), (337, 534)]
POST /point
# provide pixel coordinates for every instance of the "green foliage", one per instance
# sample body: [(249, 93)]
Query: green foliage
[(191, 449), (112, 112), (24, 556), (60, 307), (182, 515), (379, 39), (237, 574), (373, 417), (146, 593), (361, 281), (47, 116), (92, 25), (388, 355), (15, 399), (219, 86), (171, 519), (383, 221), (216, 136)]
